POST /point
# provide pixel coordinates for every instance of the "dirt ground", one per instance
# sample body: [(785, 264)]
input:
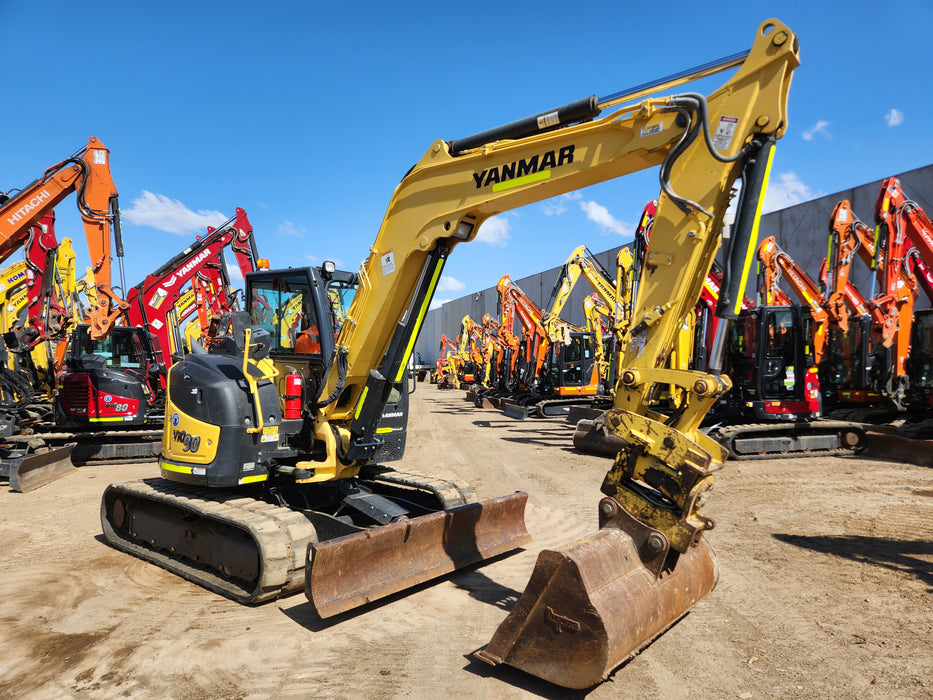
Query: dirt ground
[(826, 571)]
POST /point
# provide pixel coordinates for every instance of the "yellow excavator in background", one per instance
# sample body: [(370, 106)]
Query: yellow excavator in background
[(264, 455)]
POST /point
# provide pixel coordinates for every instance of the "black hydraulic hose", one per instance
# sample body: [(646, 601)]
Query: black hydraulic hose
[(341, 361)]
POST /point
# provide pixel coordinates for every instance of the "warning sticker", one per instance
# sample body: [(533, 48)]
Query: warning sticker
[(388, 263), (548, 120), (723, 136), (156, 301)]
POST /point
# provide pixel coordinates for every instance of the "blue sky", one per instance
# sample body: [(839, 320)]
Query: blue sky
[(308, 114)]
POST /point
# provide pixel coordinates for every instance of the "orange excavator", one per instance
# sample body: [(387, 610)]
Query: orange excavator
[(869, 339), (776, 265), (28, 460), (447, 372), (267, 481), (87, 174), (898, 217), (507, 351), (557, 366)]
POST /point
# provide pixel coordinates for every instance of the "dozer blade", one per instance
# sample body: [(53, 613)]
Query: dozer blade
[(514, 410), (592, 604), (42, 468), (353, 570)]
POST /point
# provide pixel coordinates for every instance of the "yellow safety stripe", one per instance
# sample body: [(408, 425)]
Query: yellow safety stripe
[(359, 406), (753, 243), (524, 180), (421, 314), (169, 467)]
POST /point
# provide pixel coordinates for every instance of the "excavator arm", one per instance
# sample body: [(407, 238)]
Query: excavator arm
[(86, 173), (151, 302), (702, 145), (657, 485)]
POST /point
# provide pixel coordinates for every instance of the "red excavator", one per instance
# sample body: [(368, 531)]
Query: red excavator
[(119, 380), (774, 409)]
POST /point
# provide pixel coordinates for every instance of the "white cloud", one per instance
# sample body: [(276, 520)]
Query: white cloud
[(555, 206), (821, 127), (165, 214), (450, 284), (786, 190), (598, 213), (894, 117), (287, 228), (494, 231), (437, 303)]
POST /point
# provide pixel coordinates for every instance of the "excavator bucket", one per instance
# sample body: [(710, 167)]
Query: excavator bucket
[(353, 570), (42, 467), (595, 603)]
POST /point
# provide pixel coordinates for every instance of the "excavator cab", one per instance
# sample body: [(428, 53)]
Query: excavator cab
[(770, 361), (114, 380), (920, 360), (302, 309), (853, 360), (572, 369)]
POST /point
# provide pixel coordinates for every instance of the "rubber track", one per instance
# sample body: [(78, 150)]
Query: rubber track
[(450, 494), (281, 535), (727, 434), (543, 407)]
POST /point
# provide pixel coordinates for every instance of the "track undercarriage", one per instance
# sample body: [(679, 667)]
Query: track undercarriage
[(387, 531)]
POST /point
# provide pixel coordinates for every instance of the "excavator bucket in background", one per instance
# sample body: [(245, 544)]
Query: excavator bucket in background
[(595, 603), (352, 570), (39, 468)]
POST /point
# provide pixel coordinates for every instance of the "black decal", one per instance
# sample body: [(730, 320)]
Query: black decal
[(492, 177), (508, 171), (479, 179), (566, 155), (527, 167), (548, 161)]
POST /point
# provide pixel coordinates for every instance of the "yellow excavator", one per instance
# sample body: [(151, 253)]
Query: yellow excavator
[(267, 455)]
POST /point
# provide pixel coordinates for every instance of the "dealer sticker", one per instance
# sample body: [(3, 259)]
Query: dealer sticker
[(651, 129)]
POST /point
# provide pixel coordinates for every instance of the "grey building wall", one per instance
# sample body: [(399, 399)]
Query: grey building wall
[(802, 231)]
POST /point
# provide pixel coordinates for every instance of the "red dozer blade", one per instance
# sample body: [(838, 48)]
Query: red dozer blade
[(353, 570)]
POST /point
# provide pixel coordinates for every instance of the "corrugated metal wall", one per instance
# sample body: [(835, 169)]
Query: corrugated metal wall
[(802, 231)]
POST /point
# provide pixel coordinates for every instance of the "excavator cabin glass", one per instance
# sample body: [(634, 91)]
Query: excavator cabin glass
[(283, 306)]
